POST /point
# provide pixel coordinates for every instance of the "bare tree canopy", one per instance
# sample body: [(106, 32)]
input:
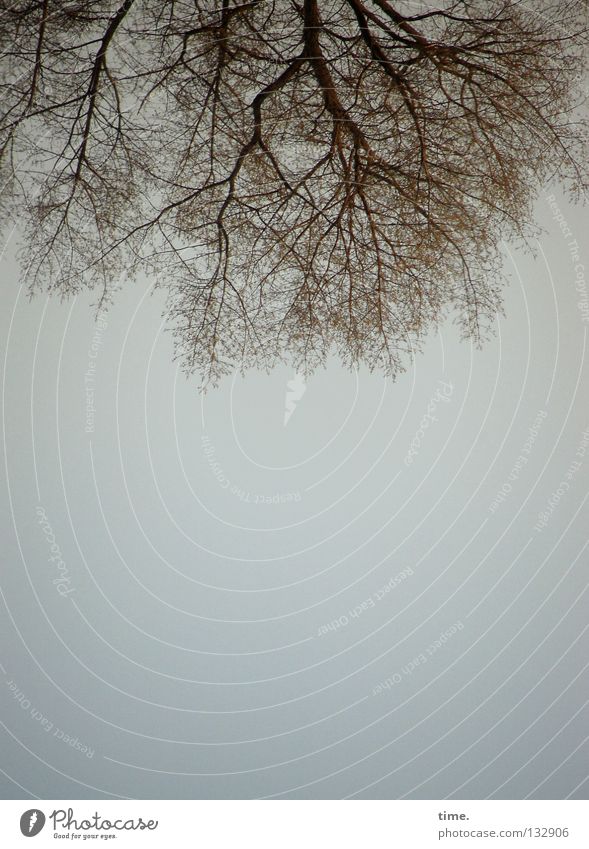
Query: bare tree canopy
[(304, 176)]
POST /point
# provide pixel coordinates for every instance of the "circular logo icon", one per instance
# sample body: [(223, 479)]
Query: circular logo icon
[(32, 822)]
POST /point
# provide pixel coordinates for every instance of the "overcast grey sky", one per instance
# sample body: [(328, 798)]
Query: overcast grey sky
[(322, 589)]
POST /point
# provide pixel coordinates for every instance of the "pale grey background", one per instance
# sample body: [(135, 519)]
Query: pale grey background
[(188, 657)]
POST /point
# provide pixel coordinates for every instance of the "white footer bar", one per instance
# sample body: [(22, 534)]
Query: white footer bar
[(296, 824)]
